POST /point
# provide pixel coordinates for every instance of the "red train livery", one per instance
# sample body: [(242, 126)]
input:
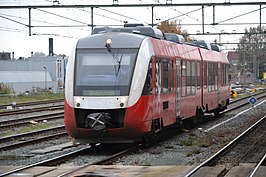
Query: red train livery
[(123, 85)]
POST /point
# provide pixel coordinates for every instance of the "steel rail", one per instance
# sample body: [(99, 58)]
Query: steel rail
[(245, 97), (47, 161), (105, 161), (258, 165), (32, 103), (23, 119), (6, 138), (222, 151), (23, 111), (239, 106), (23, 123), (24, 143)]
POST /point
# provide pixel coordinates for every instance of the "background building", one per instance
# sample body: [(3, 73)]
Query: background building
[(34, 72)]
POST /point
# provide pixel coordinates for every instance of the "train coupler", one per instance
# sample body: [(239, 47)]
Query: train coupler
[(98, 121)]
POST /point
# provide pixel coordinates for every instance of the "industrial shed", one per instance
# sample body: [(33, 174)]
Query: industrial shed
[(34, 72), (25, 81)]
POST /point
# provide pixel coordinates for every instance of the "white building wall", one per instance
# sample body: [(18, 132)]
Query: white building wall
[(33, 64)]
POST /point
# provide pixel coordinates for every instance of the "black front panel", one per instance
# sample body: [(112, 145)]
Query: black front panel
[(115, 118)]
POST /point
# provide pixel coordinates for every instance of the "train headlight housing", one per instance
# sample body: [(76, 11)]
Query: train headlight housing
[(77, 101), (123, 101)]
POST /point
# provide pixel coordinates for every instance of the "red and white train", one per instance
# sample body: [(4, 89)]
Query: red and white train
[(122, 85)]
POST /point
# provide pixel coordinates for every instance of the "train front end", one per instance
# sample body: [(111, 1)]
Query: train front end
[(104, 81)]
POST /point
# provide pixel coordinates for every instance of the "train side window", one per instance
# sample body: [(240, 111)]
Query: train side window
[(227, 75), (171, 76), (216, 76), (198, 75), (224, 74), (183, 80), (165, 75), (210, 76), (205, 75), (188, 78), (147, 90), (193, 78), (213, 77), (158, 82)]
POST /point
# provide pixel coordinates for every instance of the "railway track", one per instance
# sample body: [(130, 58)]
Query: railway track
[(31, 110), (233, 145), (240, 102), (76, 172), (31, 103), (23, 139), (28, 120), (261, 163), (61, 158)]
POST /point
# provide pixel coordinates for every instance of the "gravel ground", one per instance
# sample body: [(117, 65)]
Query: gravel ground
[(190, 147), (194, 146), (24, 155)]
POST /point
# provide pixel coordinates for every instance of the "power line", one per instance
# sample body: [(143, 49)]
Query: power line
[(64, 17), (239, 15), (121, 15), (14, 21)]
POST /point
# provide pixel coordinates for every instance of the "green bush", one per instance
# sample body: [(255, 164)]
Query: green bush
[(6, 89)]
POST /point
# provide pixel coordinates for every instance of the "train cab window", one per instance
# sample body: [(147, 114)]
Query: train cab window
[(205, 75), (188, 78), (183, 81), (158, 82), (147, 90), (171, 76), (165, 75), (198, 75), (99, 72), (193, 78)]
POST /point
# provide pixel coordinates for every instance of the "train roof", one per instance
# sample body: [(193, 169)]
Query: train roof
[(142, 30), (125, 40)]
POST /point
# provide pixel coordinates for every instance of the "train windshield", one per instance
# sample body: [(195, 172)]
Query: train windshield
[(102, 72)]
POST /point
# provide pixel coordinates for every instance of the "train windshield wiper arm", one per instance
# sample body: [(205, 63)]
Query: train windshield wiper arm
[(116, 58)]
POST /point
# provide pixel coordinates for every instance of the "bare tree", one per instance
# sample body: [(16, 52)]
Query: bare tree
[(252, 51), (173, 27), (39, 54)]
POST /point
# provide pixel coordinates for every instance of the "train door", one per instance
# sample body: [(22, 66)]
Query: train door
[(177, 87), (218, 82), (157, 87)]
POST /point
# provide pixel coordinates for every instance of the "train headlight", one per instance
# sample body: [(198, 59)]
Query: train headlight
[(123, 100), (109, 42)]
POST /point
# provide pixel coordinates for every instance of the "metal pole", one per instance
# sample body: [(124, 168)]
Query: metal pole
[(213, 15), (152, 16), (91, 19), (202, 19), (260, 20), (29, 21), (45, 78)]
